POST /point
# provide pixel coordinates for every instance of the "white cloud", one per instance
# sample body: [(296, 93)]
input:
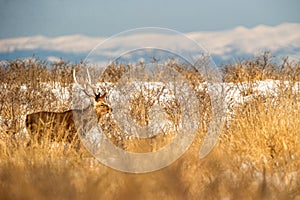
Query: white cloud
[(71, 44), (250, 40), (53, 59)]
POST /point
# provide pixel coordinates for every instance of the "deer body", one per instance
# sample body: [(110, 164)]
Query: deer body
[(52, 122)]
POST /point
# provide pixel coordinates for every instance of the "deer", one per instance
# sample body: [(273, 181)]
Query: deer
[(60, 126)]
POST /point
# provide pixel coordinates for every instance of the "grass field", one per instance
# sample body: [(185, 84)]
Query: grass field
[(256, 157)]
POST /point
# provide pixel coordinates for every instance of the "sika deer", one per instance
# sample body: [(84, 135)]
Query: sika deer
[(60, 126)]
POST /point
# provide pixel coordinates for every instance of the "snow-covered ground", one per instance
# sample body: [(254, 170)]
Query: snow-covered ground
[(234, 94)]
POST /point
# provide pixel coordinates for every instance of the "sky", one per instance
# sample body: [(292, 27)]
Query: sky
[(103, 18)]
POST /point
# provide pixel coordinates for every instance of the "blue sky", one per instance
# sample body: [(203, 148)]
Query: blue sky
[(107, 17)]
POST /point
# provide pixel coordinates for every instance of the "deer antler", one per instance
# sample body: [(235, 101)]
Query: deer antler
[(89, 83)]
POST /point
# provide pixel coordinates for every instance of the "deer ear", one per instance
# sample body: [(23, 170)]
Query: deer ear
[(103, 96), (97, 97), (100, 98)]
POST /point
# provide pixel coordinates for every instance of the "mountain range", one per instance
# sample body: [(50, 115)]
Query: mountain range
[(224, 46)]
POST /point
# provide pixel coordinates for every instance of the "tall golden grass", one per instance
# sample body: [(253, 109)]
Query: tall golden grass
[(257, 156)]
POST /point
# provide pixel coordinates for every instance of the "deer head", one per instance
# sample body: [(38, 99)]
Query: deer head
[(101, 108)]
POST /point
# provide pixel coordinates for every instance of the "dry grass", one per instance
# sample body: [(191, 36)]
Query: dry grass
[(257, 156)]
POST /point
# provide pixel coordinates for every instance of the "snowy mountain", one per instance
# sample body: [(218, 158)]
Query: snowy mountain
[(224, 46)]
